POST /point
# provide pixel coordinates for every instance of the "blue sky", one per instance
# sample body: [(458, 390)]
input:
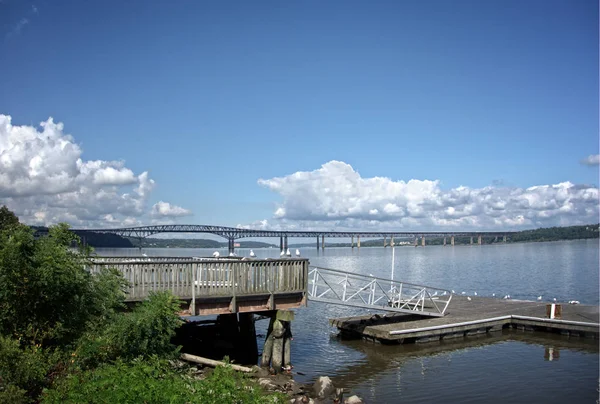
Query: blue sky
[(209, 98)]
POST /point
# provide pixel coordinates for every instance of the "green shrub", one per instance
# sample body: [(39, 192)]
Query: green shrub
[(154, 381), (145, 331), (25, 370), (46, 294)]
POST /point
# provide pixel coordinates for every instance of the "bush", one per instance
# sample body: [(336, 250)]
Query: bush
[(144, 332), (46, 294), (24, 371), (154, 381)]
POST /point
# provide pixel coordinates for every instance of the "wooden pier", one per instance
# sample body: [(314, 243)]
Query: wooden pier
[(216, 285), (472, 315)]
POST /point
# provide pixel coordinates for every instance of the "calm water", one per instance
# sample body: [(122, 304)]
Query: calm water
[(508, 367)]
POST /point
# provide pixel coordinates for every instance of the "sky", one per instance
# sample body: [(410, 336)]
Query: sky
[(386, 115)]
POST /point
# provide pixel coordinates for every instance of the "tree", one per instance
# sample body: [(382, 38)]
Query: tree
[(47, 294), (7, 218)]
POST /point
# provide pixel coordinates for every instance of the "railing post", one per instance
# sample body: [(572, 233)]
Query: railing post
[(193, 305)]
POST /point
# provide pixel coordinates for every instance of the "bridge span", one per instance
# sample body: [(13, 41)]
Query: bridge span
[(234, 233)]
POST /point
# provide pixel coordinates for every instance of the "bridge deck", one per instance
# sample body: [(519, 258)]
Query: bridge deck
[(216, 286), (480, 314)]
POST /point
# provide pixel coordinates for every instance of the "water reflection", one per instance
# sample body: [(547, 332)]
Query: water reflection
[(379, 358)]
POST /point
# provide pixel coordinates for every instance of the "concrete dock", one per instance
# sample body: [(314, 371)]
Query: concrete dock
[(469, 317)]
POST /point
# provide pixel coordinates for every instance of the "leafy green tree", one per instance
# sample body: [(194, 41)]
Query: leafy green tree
[(7, 218), (47, 293)]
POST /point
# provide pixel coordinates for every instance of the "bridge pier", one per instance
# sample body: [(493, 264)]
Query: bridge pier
[(352, 242), (285, 243), (423, 241), (392, 241), (317, 242), (471, 240), (504, 239), (358, 241), (479, 239), (444, 241), (322, 241), (231, 242), (384, 241), (416, 241), (452, 241), (281, 244)]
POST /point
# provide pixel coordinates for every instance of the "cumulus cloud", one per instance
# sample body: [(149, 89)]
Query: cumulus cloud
[(336, 195), (165, 209), (45, 180), (591, 160)]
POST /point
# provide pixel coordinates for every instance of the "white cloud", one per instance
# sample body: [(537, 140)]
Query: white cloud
[(591, 160), (45, 180), (335, 195), (165, 209)]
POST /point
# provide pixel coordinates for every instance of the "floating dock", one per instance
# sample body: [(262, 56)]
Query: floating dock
[(471, 316)]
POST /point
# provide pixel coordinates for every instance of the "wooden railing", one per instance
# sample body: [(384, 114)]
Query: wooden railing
[(195, 279)]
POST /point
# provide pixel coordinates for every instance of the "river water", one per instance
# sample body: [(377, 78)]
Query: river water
[(504, 367)]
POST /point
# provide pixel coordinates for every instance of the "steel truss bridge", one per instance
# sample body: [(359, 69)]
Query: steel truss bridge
[(237, 233), (233, 233)]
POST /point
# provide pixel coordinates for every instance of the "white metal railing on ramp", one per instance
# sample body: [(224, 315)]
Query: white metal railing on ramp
[(356, 290)]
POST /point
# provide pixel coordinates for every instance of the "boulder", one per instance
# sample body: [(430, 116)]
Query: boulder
[(323, 387), (353, 400)]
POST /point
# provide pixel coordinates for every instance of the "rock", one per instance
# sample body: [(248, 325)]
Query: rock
[(301, 400), (323, 387), (266, 383), (353, 400)]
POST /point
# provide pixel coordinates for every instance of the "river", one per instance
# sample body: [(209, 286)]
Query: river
[(504, 367)]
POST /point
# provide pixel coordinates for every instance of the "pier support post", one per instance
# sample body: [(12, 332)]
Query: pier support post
[(504, 239), (281, 244), (471, 240), (384, 241), (452, 241), (358, 242), (277, 350), (231, 242), (352, 242), (444, 241), (248, 348), (479, 239), (392, 241), (322, 241), (423, 241), (285, 243), (416, 241), (317, 242)]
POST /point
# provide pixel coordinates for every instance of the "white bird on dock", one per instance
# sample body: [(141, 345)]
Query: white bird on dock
[(444, 294), (288, 253), (297, 252), (252, 254), (475, 293), (453, 292), (573, 301), (493, 295), (216, 254), (469, 298), (282, 253), (507, 297), (144, 254), (463, 293), (539, 298), (554, 300)]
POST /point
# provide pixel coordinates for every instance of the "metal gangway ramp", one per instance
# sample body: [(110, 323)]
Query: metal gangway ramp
[(351, 289)]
